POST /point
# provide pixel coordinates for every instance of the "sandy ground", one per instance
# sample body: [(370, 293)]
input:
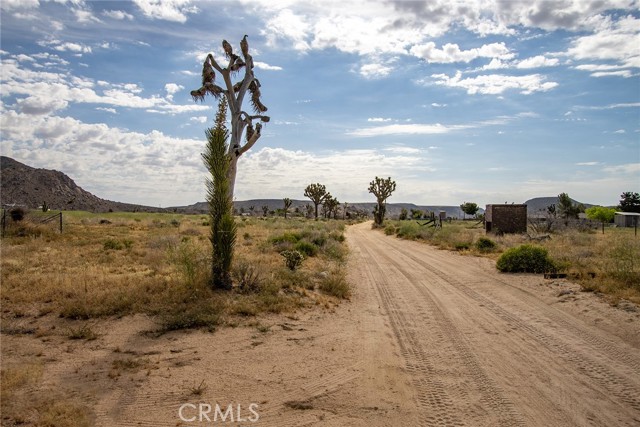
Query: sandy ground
[(429, 338)]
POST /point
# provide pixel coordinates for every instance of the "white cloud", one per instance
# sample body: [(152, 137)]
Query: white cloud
[(617, 41), (286, 24), (587, 164), (10, 5), (199, 119), (118, 15), (375, 70), (537, 62), (621, 73), (436, 105), (285, 173), (108, 110), (51, 89), (626, 169), (378, 119), (494, 84), (408, 129), (135, 167), (167, 10), (620, 131), (40, 105), (85, 16), (264, 66), (451, 53), (171, 89), (65, 46)]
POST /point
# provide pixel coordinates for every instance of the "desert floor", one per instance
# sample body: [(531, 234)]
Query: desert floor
[(429, 338)]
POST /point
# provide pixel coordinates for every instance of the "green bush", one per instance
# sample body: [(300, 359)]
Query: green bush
[(462, 246), (484, 244), (389, 229), (306, 248), (526, 259), (286, 238)]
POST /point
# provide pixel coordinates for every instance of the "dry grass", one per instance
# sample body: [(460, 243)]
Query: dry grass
[(115, 264), (119, 264), (607, 263), (23, 405)]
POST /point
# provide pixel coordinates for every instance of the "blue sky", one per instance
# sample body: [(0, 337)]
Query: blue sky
[(483, 101)]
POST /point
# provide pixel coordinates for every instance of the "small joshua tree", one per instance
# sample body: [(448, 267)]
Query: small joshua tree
[(223, 228), (265, 210), (317, 193), (287, 204), (382, 189), (332, 204)]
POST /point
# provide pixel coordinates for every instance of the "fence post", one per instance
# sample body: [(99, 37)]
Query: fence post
[(60, 222)]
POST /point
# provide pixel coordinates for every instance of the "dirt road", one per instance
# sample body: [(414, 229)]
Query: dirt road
[(429, 338), (482, 348)]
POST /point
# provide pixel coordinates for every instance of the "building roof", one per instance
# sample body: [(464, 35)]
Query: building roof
[(628, 213)]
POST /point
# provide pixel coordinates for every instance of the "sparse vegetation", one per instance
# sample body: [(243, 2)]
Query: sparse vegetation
[(164, 271), (604, 263)]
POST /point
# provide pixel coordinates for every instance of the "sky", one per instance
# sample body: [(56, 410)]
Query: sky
[(457, 101)]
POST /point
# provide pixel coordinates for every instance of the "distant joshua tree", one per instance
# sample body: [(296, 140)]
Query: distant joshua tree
[(317, 193), (234, 94), (382, 189), (287, 204), (265, 210)]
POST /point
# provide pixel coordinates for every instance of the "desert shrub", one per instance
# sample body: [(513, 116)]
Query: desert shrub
[(247, 277), (462, 246), (191, 262), (408, 230), (115, 244), (306, 248), (335, 250), (335, 283), (293, 259), (338, 236), (484, 244), (198, 313), (623, 263), (17, 214), (287, 237), (525, 259), (389, 229)]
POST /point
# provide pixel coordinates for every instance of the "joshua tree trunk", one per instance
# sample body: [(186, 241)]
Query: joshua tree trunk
[(235, 93)]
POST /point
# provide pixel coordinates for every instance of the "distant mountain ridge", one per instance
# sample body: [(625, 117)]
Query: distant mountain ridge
[(393, 209), (539, 204), (29, 187), (23, 185)]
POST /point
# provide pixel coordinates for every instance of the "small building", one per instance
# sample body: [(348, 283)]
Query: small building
[(506, 218), (626, 219)]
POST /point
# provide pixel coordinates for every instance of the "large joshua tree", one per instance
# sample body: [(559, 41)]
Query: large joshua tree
[(235, 94)]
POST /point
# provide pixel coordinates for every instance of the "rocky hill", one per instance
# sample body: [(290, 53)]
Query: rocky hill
[(24, 186)]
